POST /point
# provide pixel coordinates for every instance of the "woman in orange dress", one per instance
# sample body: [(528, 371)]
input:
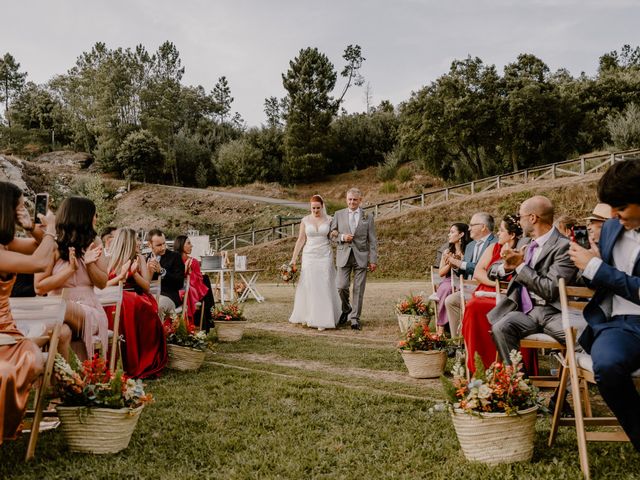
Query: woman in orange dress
[(476, 328), (144, 350), (198, 291), (21, 361)]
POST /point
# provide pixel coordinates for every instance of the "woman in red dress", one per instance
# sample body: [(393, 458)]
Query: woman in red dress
[(197, 288), (476, 329), (144, 350)]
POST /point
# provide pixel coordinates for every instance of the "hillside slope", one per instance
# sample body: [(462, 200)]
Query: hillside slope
[(408, 242)]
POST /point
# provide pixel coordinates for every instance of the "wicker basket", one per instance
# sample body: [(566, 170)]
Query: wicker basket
[(98, 430), (429, 364), (230, 331), (494, 438), (405, 321), (184, 358)]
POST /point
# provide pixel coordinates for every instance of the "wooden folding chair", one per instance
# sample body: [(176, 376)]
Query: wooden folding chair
[(155, 288), (112, 297), (40, 319), (578, 368), (467, 287)]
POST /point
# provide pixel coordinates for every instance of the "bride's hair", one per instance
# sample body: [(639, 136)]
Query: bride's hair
[(316, 198)]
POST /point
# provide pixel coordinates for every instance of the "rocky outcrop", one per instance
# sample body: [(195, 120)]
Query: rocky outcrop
[(66, 159), (11, 171)]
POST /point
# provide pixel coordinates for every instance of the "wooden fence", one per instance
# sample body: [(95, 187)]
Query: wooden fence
[(569, 168)]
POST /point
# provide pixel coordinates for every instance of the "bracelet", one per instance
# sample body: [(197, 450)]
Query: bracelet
[(52, 235)]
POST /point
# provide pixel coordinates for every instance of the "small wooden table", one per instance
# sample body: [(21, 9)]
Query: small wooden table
[(250, 280)]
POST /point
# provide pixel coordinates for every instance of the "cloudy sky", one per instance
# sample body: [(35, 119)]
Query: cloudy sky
[(407, 43)]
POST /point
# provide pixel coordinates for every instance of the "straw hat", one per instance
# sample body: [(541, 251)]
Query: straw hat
[(601, 212)]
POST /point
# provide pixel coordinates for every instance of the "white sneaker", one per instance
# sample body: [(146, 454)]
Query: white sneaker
[(321, 329)]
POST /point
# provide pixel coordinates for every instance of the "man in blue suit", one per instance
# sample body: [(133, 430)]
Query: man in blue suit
[(481, 232), (612, 268)]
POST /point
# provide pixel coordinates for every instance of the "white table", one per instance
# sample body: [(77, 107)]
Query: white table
[(250, 280), (222, 281)]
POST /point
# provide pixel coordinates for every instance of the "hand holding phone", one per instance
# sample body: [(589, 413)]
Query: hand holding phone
[(42, 205), (580, 235)]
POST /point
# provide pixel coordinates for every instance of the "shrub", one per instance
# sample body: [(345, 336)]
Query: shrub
[(404, 174), (389, 187), (238, 162), (141, 157), (624, 128), (387, 170)]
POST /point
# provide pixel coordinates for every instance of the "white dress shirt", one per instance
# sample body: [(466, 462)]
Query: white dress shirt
[(354, 216), (625, 253)]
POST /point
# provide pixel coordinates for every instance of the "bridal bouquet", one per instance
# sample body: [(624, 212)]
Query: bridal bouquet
[(92, 384), (288, 272), (500, 388)]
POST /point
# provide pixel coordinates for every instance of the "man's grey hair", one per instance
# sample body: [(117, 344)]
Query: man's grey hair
[(354, 191), (487, 219)]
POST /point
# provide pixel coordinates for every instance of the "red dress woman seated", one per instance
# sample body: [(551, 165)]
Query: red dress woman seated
[(198, 291), (144, 350), (476, 328)]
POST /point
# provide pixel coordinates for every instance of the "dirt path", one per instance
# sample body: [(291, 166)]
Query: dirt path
[(379, 336), (244, 196)]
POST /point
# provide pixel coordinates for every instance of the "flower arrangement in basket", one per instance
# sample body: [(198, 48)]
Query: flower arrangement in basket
[(239, 288), (288, 272), (494, 412), (229, 321), (185, 346), (424, 353), (100, 409), (411, 309)]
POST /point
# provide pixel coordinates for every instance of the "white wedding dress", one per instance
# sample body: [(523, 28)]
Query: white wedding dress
[(317, 303)]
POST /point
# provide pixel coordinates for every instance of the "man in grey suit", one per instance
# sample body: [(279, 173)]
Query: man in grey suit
[(532, 303), (357, 252), (481, 232)]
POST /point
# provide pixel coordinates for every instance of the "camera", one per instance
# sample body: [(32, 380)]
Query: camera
[(580, 235), (42, 205)]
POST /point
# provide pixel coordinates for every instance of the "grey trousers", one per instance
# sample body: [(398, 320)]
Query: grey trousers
[(166, 307), (454, 310), (516, 325), (343, 279)]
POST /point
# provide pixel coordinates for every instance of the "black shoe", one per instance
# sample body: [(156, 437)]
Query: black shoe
[(356, 326), (343, 319)]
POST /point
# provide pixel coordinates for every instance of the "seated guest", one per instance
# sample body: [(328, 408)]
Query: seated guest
[(198, 290), (481, 232), (21, 362), (77, 266), (24, 286), (144, 351), (601, 213), (106, 235), (532, 303), (565, 224), (168, 266), (475, 326), (612, 336), (458, 238)]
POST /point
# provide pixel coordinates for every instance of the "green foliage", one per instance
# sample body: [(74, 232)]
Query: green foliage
[(238, 162), (95, 190), (388, 169), (404, 174), (11, 81), (389, 187), (624, 128), (201, 176), (141, 157)]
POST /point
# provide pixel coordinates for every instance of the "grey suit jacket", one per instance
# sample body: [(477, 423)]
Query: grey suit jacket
[(364, 245), (552, 263)]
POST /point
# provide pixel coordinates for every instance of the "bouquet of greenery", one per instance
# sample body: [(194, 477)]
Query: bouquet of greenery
[(413, 305), (500, 388), (92, 384), (182, 333), (230, 312), (420, 338)]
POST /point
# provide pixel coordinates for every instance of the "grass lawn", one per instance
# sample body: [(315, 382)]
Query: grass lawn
[(290, 402)]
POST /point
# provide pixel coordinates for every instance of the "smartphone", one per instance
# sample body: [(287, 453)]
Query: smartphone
[(42, 205), (580, 235)]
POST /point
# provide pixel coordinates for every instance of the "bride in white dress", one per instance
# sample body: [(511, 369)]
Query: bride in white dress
[(317, 304)]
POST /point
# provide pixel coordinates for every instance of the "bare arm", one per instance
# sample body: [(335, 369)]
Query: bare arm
[(302, 238), (47, 281), (445, 267), (97, 267), (480, 273), (141, 274)]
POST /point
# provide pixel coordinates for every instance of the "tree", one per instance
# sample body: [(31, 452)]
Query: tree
[(222, 98), (141, 157), (353, 56), (624, 128), (309, 83), (11, 81), (237, 163), (272, 109)]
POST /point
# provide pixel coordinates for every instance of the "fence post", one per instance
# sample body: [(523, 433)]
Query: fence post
[(253, 237), (399, 205), (293, 229), (553, 171), (498, 183), (375, 211), (581, 165), (526, 176), (446, 194), (422, 200), (473, 187), (217, 245)]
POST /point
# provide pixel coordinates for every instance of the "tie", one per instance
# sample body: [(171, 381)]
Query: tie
[(525, 298), (352, 221), (476, 251)]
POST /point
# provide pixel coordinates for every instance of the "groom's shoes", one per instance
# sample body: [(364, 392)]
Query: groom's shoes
[(343, 319), (356, 326)]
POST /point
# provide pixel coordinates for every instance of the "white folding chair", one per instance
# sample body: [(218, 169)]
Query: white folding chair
[(39, 319)]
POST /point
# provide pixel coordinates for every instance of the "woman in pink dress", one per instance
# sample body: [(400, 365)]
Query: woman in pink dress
[(197, 289), (21, 361), (144, 350), (77, 266)]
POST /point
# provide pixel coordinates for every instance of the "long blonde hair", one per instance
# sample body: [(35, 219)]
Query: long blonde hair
[(123, 248)]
